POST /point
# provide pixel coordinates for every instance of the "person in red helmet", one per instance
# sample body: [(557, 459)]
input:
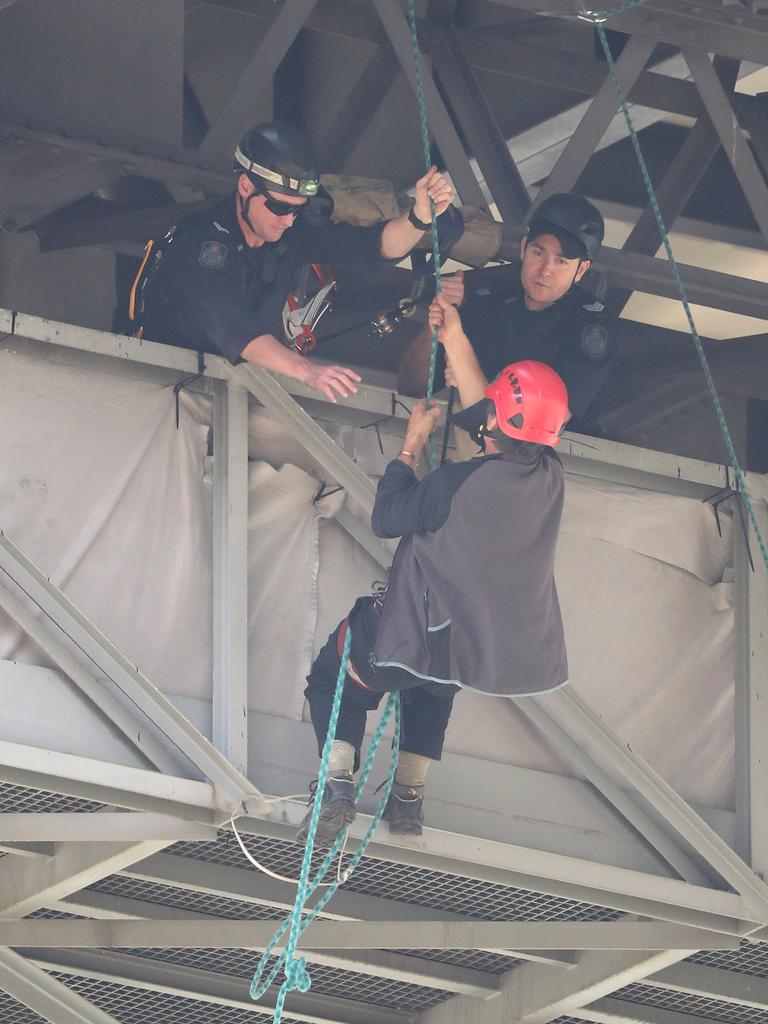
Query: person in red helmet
[(471, 601)]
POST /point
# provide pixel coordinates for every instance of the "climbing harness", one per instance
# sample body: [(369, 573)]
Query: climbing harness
[(303, 309)]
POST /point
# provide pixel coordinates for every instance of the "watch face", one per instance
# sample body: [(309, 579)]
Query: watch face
[(212, 255)]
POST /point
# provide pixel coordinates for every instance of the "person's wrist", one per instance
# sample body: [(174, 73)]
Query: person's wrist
[(419, 218)]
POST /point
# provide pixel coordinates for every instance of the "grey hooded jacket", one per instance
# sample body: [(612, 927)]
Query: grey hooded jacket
[(472, 597)]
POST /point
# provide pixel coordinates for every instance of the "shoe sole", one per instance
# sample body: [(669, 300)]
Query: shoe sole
[(331, 821), (404, 828)]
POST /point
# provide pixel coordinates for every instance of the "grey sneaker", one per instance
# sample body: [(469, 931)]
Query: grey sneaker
[(336, 812), (404, 812)]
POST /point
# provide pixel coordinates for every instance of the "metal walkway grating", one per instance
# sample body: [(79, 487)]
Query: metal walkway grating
[(751, 958), (12, 1012), (695, 1005), (326, 981), (130, 1005), (20, 799), (423, 887), (184, 899), (240, 910), (477, 959)]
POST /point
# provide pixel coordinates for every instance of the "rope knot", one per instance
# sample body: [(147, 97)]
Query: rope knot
[(297, 976)]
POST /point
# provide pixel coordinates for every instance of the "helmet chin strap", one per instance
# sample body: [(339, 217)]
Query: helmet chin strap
[(245, 202)]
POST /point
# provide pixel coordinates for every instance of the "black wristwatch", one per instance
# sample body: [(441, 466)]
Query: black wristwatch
[(418, 224)]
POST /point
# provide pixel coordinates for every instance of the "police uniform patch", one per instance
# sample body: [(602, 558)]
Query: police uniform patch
[(594, 307), (594, 342), (212, 255)]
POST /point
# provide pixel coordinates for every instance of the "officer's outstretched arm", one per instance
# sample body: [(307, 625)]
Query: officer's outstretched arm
[(267, 351), (401, 235)]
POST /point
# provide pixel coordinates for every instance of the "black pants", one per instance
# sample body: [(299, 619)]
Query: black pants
[(426, 707)]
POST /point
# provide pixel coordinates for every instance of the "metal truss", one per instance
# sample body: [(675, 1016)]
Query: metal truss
[(48, 997), (490, 935), (682, 914)]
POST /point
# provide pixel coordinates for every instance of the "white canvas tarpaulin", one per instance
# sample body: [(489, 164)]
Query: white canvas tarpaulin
[(100, 488)]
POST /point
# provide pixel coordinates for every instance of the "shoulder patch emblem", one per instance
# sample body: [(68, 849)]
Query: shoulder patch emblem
[(594, 342), (212, 255), (594, 307)]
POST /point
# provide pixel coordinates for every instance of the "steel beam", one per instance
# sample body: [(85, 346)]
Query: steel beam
[(243, 885), (646, 827), (751, 656), (230, 573), (134, 225), (235, 788), (707, 25), (313, 439), (584, 725), (688, 167), (478, 123), (623, 889), (712, 983), (366, 98), (731, 136), (44, 995), (753, 117), (498, 936), (498, 54), (138, 732), (621, 1011), (583, 142), (116, 827), (534, 994), (28, 884), (236, 116), (213, 988), (394, 966), (107, 782), (446, 137)]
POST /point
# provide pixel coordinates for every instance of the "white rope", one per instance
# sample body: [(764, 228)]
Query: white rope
[(341, 876)]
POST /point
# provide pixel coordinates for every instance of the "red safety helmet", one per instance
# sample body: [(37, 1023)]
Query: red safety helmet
[(531, 402)]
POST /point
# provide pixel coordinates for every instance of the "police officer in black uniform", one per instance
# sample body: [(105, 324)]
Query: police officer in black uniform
[(544, 315), (219, 280)]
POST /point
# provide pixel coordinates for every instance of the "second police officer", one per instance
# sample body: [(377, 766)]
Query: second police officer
[(544, 314)]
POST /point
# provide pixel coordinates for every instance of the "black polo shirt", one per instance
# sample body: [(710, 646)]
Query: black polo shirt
[(210, 291), (575, 336)]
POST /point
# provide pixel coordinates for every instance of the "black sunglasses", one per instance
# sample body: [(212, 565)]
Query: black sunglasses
[(281, 209)]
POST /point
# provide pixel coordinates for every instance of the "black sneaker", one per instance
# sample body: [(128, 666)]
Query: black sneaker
[(404, 812), (336, 812)]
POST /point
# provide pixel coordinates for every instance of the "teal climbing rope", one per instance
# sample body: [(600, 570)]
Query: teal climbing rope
[(680, 287), (427, 164), (297, 976)]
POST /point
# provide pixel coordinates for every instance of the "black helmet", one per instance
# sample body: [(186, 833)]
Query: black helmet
[(280, 158), (576, 223)]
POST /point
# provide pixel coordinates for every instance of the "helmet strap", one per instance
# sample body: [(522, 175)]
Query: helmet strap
[(245, 202)]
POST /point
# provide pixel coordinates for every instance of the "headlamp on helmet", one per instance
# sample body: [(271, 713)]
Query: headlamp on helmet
[(278, 157), (285, 183)]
